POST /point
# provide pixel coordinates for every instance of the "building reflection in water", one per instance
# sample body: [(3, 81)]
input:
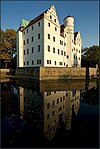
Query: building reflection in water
[(48, 110)]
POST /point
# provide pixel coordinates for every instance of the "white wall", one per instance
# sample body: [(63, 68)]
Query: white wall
[(19, 49), (35, 55)]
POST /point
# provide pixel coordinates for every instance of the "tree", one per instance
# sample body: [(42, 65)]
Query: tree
[(8, 40), (90, 56), (7, 45)]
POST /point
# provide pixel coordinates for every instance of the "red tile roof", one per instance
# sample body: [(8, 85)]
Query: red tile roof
[(62, 30), (75, 34), (36, 19)]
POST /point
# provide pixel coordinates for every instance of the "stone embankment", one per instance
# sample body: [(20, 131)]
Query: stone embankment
[(55, 73)]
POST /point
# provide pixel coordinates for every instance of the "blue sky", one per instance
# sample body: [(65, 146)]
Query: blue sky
[(86, 14)]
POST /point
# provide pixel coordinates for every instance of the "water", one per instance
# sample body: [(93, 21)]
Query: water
[(49, 114)]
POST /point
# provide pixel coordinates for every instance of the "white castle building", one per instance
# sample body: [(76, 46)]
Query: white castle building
[(44, 42)]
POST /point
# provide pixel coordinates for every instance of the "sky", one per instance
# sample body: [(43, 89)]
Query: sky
[(85, 13)]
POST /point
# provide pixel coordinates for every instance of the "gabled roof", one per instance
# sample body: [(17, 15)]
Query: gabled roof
[(62, 30), (36, 19)]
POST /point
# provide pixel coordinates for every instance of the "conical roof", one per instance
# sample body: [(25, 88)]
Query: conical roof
[(24, 23)]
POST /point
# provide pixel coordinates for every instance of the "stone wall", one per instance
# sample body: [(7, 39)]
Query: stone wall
[(29, 72), (55, 73)]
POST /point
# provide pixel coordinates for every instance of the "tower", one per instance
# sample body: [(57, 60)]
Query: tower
[(69, 28), (69, 23)]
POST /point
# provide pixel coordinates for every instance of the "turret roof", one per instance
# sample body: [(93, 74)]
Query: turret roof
[(68, 17)]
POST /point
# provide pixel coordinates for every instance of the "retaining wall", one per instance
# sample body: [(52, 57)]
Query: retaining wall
[(55, 73)]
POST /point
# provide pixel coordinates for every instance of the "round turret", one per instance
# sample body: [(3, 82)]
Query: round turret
[(69, 21)]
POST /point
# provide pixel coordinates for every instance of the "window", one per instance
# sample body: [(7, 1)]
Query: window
[(38, 36), (48, 126), (53, 103), (72, 41), (48, 116), (32, 62), (24, 42), (48, 93), (61, 42), (49, 24), (48, 105), (60, 99), (54, 20), (61, 52), (48, 36), (74, 56), (24, 32), (24, 52), (64, 64), (68, 56), (57, 100), (55, 28), (27, 51), (38, 24), (27, 62), (58, 51), (64, 44), (38, 48), (60, 63), (63, 97), (48, 48), (32, 38), (39, 61), (64, 53), (65, 35), (79, 51), (27, 41), (32, 49), (60, 109), (54, 39), (50, 17), (74, 49), (79, 58), (48, 61), (27, 30), (32, 27), (24, 63), (53, 113), (53, 50), (55, 62)]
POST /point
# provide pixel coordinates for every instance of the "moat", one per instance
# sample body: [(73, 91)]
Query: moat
[(61, 114)]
